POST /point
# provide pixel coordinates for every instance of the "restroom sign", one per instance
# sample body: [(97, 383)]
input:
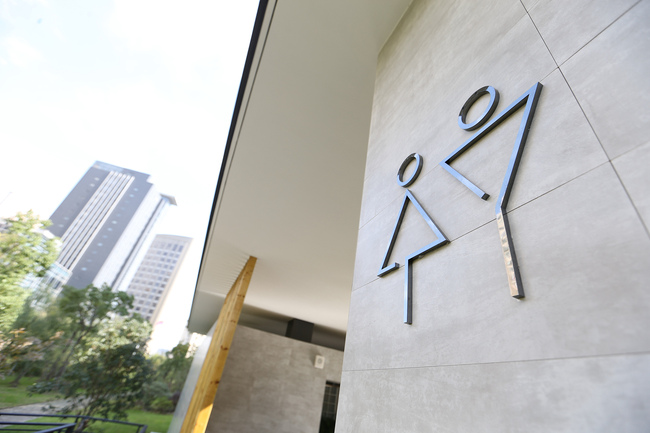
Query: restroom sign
[(484, 126)]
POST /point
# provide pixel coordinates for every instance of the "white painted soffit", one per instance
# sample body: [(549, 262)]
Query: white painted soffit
[(290, 187)]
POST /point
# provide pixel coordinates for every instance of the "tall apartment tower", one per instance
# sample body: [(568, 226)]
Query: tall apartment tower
[(104, 222), (155, 274)]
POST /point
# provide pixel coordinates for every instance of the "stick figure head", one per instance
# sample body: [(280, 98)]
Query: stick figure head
[(400, 173), (492, 105)]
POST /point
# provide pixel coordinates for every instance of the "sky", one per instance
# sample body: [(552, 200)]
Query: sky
[(149, 85)]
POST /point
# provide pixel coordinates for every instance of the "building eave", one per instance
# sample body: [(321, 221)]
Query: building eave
[(289, 188)]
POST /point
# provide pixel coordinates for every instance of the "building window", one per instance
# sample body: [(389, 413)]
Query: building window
[(330, 402)]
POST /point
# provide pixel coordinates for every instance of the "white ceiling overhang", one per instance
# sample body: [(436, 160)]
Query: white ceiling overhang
[(289, 191)]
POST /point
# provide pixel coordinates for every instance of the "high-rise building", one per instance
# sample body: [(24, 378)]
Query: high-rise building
[(104, 222), (155, 274)]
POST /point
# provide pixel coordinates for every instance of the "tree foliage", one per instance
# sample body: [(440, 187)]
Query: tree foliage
[(81, 311), (101, 369), (95, 354), (119, 331), (39, 319), (105, 383), (173, 370), (23, 251), (19, 351)]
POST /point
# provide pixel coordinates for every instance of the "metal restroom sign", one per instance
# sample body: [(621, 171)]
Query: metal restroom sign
[(529, 101)]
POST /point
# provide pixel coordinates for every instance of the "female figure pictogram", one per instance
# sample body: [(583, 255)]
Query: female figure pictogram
[(440, 241)]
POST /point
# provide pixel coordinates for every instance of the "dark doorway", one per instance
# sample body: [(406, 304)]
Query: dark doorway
[(330, 403)]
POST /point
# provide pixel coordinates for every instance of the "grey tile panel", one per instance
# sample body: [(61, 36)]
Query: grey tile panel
[(567, 26), (418, 96), (561, 146), (583, 256), (512, 397), (610, 80)]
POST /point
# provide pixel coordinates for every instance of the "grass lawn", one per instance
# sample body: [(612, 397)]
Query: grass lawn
[(10, 397), (19, 396), (155, 422)]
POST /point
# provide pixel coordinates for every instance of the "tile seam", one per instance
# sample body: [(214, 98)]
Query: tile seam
[(516, 361), (638, 214), (426, 173), (601, 32), (364, 285), (557, 67), (540, 34), (609, 157)]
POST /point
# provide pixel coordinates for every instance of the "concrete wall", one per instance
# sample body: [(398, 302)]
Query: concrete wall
[(269, 384), (574, 354)]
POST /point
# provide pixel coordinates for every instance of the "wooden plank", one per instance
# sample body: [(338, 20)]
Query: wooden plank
[(198, 413)]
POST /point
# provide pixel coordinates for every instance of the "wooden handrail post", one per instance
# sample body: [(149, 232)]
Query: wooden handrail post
[(198, 413)]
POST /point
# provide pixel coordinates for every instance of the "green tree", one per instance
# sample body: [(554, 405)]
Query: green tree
[(39, 317), (105, 383), (39, 321), (161, 395), (21, 353), (173, 370), (81, 312), (109, 371), (23, 251), (120, 330)]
